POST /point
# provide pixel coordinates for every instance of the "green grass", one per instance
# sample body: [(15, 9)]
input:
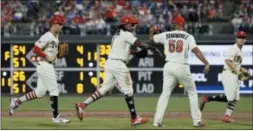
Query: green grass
[(143, 104), (115, 123)]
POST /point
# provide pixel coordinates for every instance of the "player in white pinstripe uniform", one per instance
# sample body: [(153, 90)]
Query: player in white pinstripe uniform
[(46, 48)]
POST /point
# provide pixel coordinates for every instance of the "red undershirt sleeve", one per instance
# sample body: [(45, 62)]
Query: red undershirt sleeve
[(38, 51)]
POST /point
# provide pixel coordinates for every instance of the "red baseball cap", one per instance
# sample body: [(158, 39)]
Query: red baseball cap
[(128, 19), (57, 19), (179, 20), (241, 34)]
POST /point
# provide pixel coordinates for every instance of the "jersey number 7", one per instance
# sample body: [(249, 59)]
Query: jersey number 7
[(176, 46)]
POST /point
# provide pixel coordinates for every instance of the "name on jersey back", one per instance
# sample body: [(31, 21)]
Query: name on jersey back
[(176, 35)]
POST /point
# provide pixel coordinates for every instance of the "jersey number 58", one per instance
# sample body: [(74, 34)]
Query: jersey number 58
[(176, 46)]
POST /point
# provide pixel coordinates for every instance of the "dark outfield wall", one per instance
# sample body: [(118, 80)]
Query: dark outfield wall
[(82, 70)]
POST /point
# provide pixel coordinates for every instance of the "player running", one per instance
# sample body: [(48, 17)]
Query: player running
[(45, 48), (229, 77), (138, 52), (177, 44), (116, 70)]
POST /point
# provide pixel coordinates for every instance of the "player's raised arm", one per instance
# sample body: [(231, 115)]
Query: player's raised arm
[(131, 39), (138, 52), (128, 24), (143, 45), (154, 35), (193, 47)]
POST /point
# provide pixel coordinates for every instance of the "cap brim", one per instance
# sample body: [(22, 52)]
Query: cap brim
[(241, 36)]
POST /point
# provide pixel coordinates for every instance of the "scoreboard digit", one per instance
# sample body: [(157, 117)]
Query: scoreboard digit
[(16, 62), (19, 54), (104, 50)]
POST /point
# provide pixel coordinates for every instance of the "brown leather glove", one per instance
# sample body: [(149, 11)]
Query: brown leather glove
[(243, 74), (63, 50)]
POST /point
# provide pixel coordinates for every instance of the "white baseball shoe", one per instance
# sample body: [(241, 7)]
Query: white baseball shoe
[(13, 105), (158, 125), (60, 119), (199, 124)]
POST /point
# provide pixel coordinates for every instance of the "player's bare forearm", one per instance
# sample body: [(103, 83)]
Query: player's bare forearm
[(151, 37), (231, 65), (200, 56), (153, 30)]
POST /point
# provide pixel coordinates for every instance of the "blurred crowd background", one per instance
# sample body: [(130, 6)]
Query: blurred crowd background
[(101, 17)]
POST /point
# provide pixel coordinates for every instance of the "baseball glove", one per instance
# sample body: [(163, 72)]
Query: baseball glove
[(142, 53), (244, 74), (63, 50), (157, 51)]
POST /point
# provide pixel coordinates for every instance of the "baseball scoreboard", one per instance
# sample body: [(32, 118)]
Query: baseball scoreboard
[(82, 71)]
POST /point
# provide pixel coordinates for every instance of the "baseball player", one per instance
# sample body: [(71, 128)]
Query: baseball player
[(177, 44), (229, 78), (140, 53), (116, 70), (46, 48)]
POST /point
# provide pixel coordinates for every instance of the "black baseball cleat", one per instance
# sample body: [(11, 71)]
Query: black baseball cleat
[(204, 100)]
